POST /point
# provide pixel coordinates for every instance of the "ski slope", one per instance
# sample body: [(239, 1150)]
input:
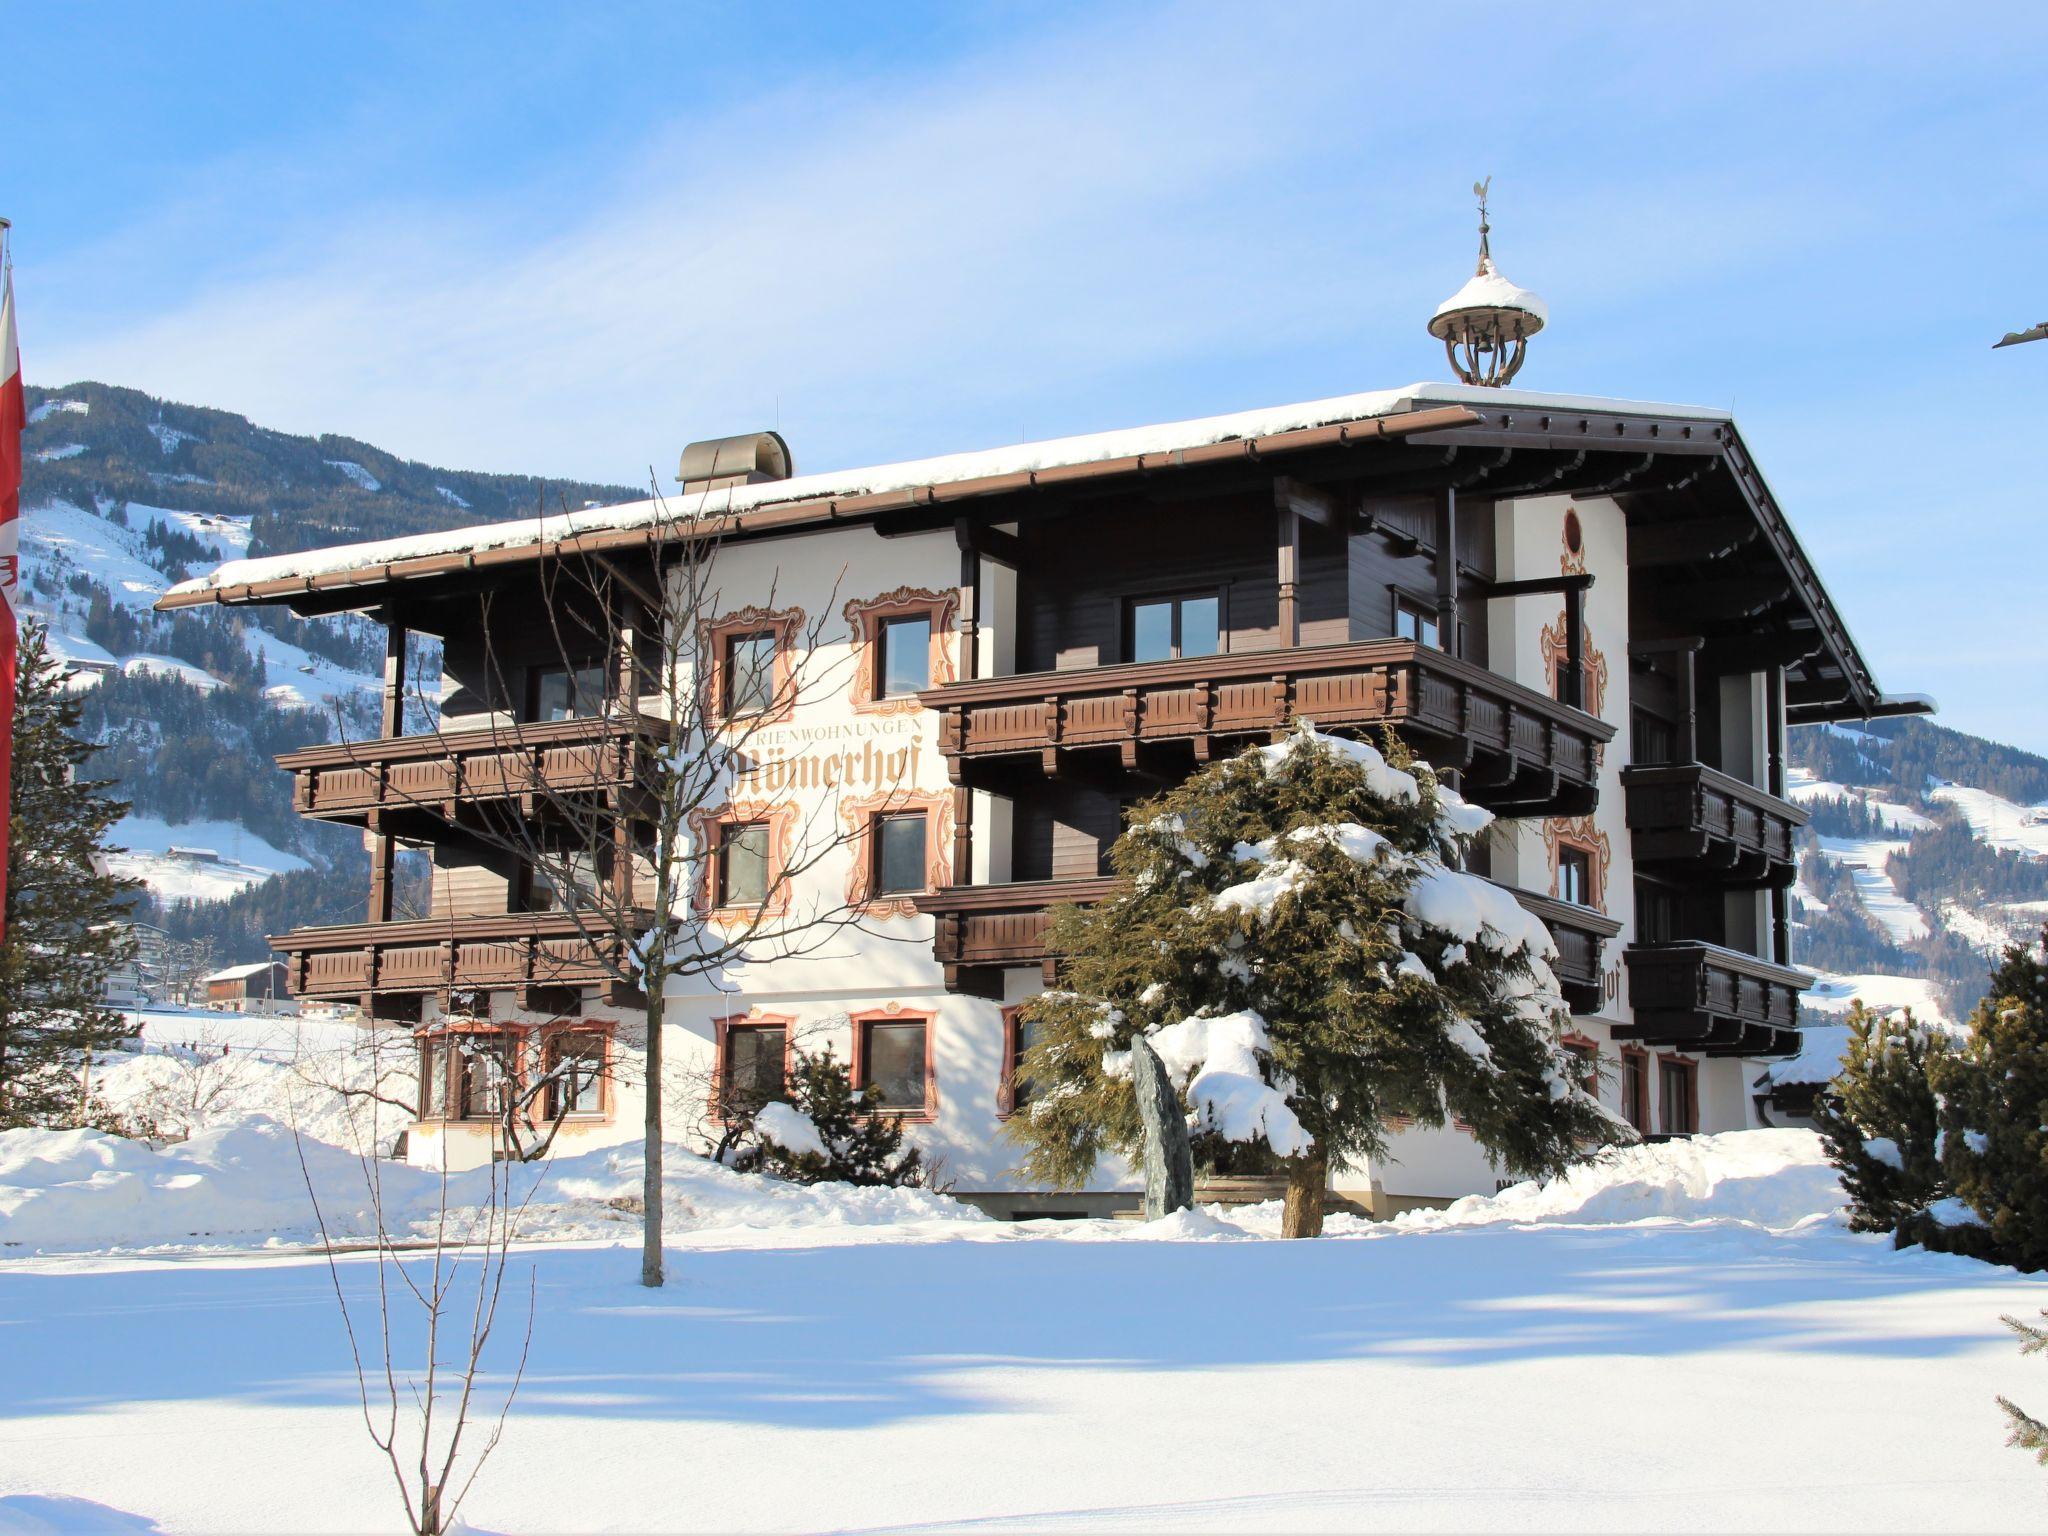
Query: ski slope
[(240, 858)]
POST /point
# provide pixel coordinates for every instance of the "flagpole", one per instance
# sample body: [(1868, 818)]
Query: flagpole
[(12, 420)]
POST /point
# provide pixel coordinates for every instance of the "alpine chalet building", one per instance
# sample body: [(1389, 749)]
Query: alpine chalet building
[(1591, 616)]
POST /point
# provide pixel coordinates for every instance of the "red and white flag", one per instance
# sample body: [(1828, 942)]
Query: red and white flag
[(13, 417)]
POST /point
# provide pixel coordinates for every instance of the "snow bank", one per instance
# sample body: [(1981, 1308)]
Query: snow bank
[(240, 1186), (1773, 1179)]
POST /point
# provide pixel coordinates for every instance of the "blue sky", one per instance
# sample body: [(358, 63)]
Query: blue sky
[(567, 239)]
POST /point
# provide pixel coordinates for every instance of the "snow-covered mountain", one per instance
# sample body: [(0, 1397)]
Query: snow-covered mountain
[(125, 494), (1927, 854)]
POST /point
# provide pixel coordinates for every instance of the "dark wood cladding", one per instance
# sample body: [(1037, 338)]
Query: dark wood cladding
[(1720, 1002), (1517, 748), (982, 930), (979, 930), (1695, 819), (347, 780), (508, 950)]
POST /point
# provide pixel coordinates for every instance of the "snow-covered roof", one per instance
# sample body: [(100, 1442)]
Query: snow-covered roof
[(1054, 453), (243, 972)]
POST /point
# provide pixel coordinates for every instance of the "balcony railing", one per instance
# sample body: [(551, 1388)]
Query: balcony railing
[(345, 781), (1517, 750), (980, 931), (1718, 1001), (513, 949), (1711, 825)]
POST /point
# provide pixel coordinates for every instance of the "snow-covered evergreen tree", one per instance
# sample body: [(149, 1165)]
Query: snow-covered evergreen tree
[(1994, 1121), (2025, 1432), (1877, 1119), (63, 910), (829, 1132), (1298, 943)]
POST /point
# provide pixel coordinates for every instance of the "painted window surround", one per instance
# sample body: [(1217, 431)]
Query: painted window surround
[(864, 618)]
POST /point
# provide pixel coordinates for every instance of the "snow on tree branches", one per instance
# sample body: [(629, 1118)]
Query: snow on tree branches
[(1297, 941)]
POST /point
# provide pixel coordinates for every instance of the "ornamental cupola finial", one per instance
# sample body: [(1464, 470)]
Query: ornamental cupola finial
[(1486, 325)]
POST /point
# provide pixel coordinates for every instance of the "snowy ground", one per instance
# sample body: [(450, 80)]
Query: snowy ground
[(245, 859), (1683, 1341)]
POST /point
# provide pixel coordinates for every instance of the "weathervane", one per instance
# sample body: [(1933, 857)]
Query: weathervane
[(1486, 325)]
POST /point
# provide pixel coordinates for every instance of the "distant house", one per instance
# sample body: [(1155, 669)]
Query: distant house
[(258, 987), (138, 982)]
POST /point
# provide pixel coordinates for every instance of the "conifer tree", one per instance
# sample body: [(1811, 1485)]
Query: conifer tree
[(857, 1141), (1877, 1119), (2027, 1433), (1994, 1118), (1298, 943), (64, 912)]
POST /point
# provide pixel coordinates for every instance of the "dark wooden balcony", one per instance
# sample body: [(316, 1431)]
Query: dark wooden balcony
[(512, 949), (1580, 934), (1719, 1002), (1519, 751), (980, 931), (433, 774), (1709, 825)]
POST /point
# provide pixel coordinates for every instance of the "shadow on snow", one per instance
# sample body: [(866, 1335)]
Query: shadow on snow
[(865, 1334)]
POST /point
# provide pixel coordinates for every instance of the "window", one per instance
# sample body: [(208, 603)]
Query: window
[(1656, 914), (1414, 621), (1588, 1056), (576, 1062), (433, 1078), (1652, 739), (1023, 1034), (1575, 876), (745, 658), (1567, 686), (900, 647), (892, 1063), (905, 663), (743, 864), (1635, 1090), (750, 674), (1161, 628), (567, 881), (486, 1068), (1678, 1110), (565, 693), (756, 1061), (898, 852)]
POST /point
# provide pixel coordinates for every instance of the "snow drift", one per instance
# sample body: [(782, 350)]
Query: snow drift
[(1775, 1179), (241, 1186)]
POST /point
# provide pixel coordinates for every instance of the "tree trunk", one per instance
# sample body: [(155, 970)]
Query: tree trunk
[(1307, 1178), (650, 1186)]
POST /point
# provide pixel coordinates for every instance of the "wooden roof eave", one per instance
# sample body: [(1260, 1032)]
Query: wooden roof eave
[(789, 517)]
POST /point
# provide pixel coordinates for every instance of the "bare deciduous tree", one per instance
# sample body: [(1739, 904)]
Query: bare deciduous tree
[(420, 1417), (630, 852)]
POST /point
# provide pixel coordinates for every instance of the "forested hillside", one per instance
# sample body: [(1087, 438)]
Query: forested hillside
[(125, 494), (1926, 854)]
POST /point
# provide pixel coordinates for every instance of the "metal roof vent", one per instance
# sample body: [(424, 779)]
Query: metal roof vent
[(744, 460), (1486, 325)]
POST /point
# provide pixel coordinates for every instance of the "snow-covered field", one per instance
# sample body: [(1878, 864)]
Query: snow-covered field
[(244, 859), (1684, 1339)]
